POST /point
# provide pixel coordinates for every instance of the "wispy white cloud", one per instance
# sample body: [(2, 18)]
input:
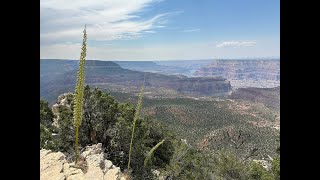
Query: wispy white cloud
[(106, 20), (236, 44), (152, 32), (190, 30)]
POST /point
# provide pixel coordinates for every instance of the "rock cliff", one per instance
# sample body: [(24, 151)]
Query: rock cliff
[(242, 69), (91, 166), (106, 74)]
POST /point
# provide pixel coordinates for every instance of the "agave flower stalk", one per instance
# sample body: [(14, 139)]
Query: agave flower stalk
[(136, 117), (78, 98)]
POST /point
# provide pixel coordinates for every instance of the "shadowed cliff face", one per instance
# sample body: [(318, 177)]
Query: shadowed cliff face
[(100, 73)]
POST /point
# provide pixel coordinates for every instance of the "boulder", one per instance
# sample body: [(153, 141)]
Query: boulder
[(112, 174), (51, 165)]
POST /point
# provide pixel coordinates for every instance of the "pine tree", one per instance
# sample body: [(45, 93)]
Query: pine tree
[(78, 98)]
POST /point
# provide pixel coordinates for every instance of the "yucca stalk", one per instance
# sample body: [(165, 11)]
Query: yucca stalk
[(151, 152), (78, 98), (136, 117)]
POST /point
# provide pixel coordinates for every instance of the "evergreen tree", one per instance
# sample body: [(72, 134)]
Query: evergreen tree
[(46, 120), (46, 115)]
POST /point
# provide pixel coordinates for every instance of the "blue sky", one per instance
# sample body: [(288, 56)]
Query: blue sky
[(160, 29)]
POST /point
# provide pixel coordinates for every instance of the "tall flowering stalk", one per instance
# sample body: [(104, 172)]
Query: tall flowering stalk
[(78, 98), (136, 117)]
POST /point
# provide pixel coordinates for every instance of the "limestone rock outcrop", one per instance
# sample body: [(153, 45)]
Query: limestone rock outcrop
[(63, 100), (91, 166)]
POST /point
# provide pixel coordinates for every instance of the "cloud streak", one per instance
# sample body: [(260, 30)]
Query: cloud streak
[(236, 44), (190, 30), (106, 20)]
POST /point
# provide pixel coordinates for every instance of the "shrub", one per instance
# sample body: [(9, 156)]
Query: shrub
[(189, 163), (45, 137), (148, 133), (228, 166), (46, 129), (66, 136), (46, 115), (259, 172), (276, 168)]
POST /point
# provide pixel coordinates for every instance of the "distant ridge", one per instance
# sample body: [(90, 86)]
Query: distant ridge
[(57, 77)]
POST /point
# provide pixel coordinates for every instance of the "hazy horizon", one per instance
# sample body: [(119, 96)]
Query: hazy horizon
[(226, 59)]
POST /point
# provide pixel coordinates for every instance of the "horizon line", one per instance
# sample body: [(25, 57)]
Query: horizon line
[(248, 58)]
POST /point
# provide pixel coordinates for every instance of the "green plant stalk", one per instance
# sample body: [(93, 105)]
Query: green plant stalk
[(78, 98), (150, 153), (136, 117), (77, 144)]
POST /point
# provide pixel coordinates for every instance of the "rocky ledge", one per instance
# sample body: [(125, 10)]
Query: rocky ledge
[(91, 166)]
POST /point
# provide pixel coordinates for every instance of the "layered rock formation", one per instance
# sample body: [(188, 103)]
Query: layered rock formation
[(242, 69), (91, 166), (106, 74), (244, 73)]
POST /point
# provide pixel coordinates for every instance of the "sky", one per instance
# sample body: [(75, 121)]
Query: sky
[(160, 29)]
